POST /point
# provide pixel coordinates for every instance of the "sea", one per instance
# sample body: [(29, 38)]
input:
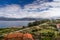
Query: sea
[(5, 24)]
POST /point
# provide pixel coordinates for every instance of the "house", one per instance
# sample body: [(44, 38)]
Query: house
[(27, 36), (18, 36), (13, 36), (58, 27)]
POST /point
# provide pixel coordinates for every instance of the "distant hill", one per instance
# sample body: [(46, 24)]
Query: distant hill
[(18, 19)]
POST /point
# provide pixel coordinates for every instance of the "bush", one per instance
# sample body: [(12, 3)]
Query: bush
[(47, 36), (51, 34), (38, 22), (1, 37), (34, 23), (52, 25), (30, 24), (34, 30)]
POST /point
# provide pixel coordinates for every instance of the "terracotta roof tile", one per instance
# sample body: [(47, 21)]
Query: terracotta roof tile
[(19, 35), (27, 35)]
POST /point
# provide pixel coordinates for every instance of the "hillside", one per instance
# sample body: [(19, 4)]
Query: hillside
[(46, 30)]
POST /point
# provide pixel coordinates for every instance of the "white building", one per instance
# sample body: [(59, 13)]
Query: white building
[(58, 27)]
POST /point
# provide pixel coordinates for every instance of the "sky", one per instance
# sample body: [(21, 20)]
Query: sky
[(29, 8)]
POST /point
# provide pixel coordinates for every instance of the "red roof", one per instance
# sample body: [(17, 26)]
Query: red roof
[(19, 35), (27, 35), (58, 25), (13, 35)]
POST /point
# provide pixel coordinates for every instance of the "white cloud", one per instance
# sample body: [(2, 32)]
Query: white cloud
[(31, 10), (56, 0), (51, 13)]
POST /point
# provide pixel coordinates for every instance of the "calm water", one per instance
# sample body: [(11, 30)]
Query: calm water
[(4, 24)]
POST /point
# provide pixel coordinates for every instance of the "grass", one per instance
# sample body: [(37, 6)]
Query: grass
[(8, 30)]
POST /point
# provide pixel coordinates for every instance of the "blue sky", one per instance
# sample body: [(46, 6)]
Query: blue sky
[(31, 8), (18, 2)]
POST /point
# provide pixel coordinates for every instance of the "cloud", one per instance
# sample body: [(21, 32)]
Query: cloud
[(9, 11), (53, 12), (44, 10)]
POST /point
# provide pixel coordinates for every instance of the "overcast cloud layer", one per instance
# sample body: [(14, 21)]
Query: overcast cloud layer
[(36, 10)]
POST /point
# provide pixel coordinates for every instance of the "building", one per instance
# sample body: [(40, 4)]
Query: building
[(18, 36), (58, 27), (13, 36), (27, 36)]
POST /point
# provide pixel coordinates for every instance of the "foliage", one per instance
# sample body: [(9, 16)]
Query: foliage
[(42, 30)]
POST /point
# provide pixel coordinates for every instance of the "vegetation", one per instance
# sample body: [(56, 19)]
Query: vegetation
[(42, 30), (38, 22), (46, 30)]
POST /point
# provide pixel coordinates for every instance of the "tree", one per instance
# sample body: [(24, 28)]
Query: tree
[(30, 24)]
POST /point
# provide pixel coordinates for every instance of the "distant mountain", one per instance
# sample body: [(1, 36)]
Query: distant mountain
[(55, 17), (26, 18), (18, 19)]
